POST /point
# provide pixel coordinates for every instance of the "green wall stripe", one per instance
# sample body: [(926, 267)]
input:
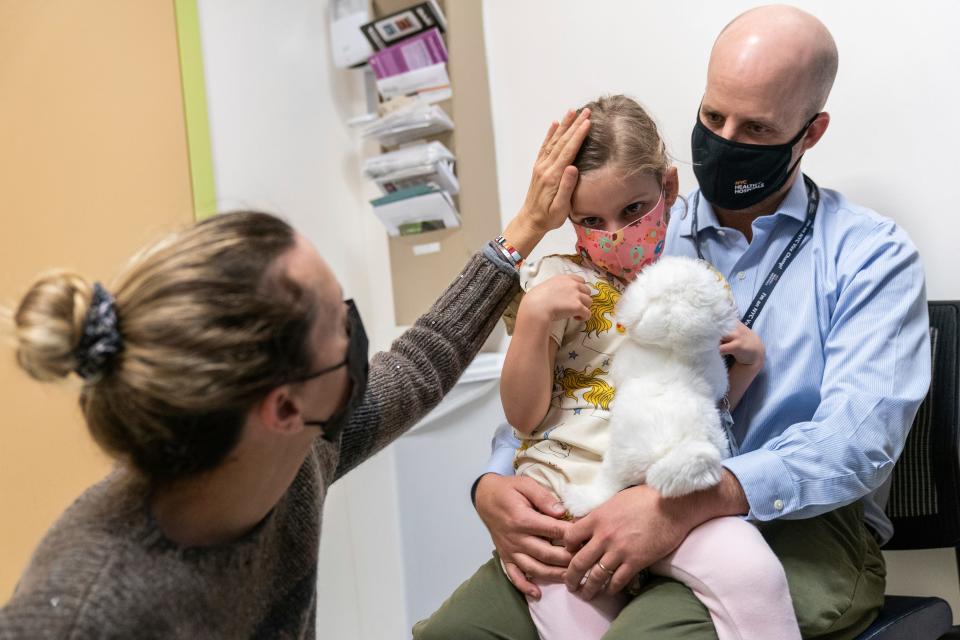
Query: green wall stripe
[(195, 108)]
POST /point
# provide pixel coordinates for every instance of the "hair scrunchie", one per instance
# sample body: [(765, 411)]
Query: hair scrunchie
[(101, 338)]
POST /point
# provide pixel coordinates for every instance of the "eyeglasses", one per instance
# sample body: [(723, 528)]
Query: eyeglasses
[(353, 319), (321, 372)]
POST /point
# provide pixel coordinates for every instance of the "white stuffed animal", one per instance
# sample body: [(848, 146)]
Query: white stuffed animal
[(668, 374)]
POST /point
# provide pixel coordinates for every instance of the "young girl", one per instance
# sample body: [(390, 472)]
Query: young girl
[(557, 395)]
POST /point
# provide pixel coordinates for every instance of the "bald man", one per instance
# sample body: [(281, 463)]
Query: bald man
[(835, 291)]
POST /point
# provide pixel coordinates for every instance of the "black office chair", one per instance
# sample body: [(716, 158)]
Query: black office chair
[(924, 500)]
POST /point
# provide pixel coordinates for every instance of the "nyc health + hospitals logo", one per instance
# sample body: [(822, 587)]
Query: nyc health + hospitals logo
[(744, 186)]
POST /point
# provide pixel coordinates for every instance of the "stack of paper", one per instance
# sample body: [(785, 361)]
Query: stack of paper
[(427, 163), (410, 71), (413, 67), (415, 121), (416, 210)]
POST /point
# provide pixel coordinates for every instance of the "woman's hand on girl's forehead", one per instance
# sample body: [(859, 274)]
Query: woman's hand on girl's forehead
[(548, 202)]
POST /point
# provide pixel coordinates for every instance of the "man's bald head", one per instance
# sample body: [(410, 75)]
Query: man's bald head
[(778, 50)]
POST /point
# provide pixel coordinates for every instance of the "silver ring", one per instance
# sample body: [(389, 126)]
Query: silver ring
[(609, 572)]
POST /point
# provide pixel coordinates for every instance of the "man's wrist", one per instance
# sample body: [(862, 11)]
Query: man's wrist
[(726, 498), (733, 500), (476, 485)]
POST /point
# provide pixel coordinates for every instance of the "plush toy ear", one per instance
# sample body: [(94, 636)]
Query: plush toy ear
[(653, 327), (703, 314), (630, 307), (642, 317), (691, 324)]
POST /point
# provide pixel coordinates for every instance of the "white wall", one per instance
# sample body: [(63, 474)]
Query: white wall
[(277, 114), (892, 143)]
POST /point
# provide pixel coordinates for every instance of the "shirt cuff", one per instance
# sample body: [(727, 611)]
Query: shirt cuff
[(503, 450), (497, 258), (501, 459), (766, 482)]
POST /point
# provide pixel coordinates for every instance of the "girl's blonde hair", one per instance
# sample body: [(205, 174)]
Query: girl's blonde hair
[(622, 134), (209, 324)]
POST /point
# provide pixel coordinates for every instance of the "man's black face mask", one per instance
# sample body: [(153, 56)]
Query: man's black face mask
[(736, 175)]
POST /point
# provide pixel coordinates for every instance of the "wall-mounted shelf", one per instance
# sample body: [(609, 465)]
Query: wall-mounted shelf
[(423, 265)]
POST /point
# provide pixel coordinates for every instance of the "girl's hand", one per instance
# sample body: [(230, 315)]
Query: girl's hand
[(558, 298), (744, 345)]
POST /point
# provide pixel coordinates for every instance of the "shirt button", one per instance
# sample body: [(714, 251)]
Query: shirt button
[(778, 505), (721, 233), (741, 275)]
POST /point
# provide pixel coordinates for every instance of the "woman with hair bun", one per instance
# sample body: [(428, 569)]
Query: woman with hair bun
[(229, 379)]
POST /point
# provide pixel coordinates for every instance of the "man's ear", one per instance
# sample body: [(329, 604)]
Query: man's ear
[(817, 128), (279, 411), (671, 186)]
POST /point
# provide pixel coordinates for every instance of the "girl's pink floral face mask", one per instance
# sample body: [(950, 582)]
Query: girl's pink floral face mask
[(625, 252)]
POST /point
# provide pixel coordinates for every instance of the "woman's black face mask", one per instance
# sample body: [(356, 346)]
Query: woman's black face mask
[(736, 175), (357, 370)]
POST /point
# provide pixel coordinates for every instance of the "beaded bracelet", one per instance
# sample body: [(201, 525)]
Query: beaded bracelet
[(509, 252)]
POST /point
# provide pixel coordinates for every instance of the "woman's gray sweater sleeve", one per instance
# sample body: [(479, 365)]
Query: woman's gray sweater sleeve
[(425, 362)]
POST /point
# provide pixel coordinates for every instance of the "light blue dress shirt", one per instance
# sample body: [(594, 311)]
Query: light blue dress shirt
[(847, 355)]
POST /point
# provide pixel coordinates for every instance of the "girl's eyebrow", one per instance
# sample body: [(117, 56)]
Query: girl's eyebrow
[(641, 197)]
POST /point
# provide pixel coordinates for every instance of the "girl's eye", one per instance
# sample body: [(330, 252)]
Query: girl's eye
[(592, 222), (633, 212)]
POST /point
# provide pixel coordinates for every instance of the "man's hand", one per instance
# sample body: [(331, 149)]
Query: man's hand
[(522, 518), (637, 527)]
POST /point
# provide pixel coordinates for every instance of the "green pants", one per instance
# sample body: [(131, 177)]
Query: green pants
[(833, 564)]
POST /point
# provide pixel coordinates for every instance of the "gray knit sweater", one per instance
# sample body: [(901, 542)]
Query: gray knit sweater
[(105, 570)]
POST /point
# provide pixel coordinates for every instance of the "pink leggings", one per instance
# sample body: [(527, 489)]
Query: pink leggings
[(725, 562)]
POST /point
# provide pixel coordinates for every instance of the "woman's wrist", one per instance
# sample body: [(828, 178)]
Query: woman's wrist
[(522, 235)]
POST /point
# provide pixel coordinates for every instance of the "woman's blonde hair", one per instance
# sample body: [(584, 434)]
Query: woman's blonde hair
[(622, 134), (209, 324)]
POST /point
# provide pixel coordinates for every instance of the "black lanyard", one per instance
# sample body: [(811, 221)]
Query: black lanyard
[(813, 200)]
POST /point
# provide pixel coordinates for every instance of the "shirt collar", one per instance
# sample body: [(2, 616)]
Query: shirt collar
[(793, 206), (706, 217)]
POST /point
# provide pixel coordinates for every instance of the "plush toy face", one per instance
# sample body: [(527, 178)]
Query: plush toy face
[(678, 303)]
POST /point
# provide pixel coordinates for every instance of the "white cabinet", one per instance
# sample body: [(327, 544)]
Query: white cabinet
[(442, 538)]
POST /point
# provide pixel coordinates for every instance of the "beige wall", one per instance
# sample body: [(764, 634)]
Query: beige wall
[(93, 163)]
